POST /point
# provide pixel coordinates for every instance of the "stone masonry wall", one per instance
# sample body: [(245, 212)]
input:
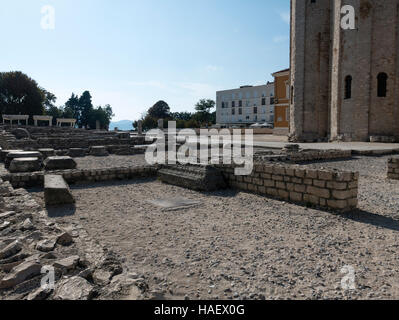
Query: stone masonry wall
[(335, 190), (35, 179), (393, 168)]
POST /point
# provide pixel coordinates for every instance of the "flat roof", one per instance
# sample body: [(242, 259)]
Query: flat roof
[(248, 87)]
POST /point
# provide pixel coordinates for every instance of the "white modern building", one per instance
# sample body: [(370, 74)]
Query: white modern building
[(245, 106)]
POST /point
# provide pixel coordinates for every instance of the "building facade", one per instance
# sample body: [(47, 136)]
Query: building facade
[(245, 106), (282, 101), (344, 82)]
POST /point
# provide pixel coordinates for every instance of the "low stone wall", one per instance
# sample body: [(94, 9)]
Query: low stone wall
[(307, 155), (335, 190), (393, 168), (36, 179)]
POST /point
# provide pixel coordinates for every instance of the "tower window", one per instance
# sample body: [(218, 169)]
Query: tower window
[(382, 84), (348, 87)]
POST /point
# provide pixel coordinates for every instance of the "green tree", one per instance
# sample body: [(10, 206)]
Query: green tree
[(160, 110), (49, 99), (20, 94), (72, 109), (101, 114), (55, 112), (203, 108), (181, 116), (86, 108)]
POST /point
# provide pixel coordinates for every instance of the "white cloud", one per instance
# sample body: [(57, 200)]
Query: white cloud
[(285, 16)]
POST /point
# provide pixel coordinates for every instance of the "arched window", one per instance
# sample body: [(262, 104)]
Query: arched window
[(348, 87), (382, 84)]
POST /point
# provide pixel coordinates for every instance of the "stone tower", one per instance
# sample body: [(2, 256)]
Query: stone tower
[(337, 75)]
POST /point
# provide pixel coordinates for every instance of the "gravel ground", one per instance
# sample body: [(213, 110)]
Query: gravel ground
[(236, 245), (111, 161)]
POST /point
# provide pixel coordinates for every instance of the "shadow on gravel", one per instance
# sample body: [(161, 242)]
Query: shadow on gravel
[(61, 211), (373, 219)]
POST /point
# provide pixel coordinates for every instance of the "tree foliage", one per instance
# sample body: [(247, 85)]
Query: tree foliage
[(203, 108), (20, 94), (161, 110)]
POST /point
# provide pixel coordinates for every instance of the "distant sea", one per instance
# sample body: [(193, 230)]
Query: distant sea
[(124, 125)]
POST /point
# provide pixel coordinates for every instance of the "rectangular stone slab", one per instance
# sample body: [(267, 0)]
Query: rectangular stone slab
[(59, 163), (200, 178), (3, 154), (25, 165), (47, 152), (56, 191), (98, 151), (21, 154), (77, 152)]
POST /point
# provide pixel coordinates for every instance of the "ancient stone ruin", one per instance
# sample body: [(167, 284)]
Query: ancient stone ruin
[(201, 178)]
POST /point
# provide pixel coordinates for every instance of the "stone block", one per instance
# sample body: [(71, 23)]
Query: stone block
[(319, 192), (21, 154), (296, 196), (3, 153), (25, 165), (59, 163), (47, 152), (56, 191), (98, 151), (201, 178)]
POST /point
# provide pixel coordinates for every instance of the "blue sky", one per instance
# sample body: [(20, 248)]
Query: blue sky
[(132, 53)]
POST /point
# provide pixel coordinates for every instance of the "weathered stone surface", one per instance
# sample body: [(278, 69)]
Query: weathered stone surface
[(5, 225), (10, 250), (21, 154), (59, 163), (76, 152), (47, 152), (46, 245), (7, 214), (67, 264), (98, 151), (102, 277), (56, 191), (75, 288), (202, 178), (27, 225), (65, 239), (39, 294), (25, 165), (3, 153), (20, 273)]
